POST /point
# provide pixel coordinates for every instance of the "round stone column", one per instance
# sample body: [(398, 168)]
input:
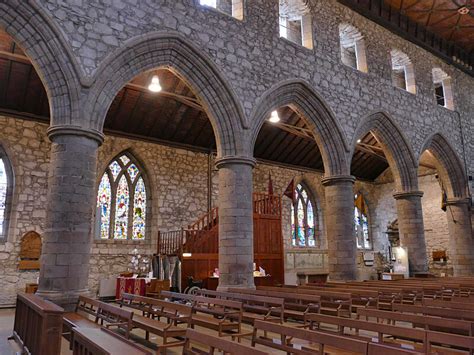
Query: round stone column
[(339, 217), (461, 246), (411, 229), (235, 222), (69, 210)]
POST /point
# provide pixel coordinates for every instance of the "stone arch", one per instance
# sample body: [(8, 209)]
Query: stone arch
[(299, 95), (397, 150), (29, 26), (174, 52), (448, 164)]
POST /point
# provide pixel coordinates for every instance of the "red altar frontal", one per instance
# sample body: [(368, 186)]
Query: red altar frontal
[(134, 285)]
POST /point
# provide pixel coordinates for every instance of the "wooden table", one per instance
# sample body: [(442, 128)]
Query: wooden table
[(103, 341)]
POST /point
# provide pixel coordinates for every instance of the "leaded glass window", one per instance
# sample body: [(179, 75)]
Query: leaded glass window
[(122, 201), (361, 223), (5, 193), (302, 219)]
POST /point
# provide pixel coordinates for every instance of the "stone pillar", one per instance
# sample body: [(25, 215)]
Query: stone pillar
[(235, 222), (411, 229), (69, 210), (461, 246), (339, 217)]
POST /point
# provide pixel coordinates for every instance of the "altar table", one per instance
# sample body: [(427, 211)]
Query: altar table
[(133, 285)]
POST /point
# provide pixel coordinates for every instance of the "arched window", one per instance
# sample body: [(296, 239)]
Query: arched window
[(6, 187), (352, 47), (443, 88), (295, 22), (361, 223), (121, 200), (302, 219), (403, 72)]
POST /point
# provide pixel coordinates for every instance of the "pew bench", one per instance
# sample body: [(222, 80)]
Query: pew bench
[(106, 315), (287, 337), (453, 326), (223, 316), (341, 323), (215, 343), (102, 341), (174, 314), (254, 306), (296, 305)]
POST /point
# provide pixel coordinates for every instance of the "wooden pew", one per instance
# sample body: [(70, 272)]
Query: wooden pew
[(174, 314), (416, 335), (37, 325), (176, 296), (226, 315), (435, 311), (454, 326), (449, 304), (338, 303), (85, 307), (214, 343), (378, 349), (452, 340), (296, 305), (287, 336), (106, 315), (254, 306), (101, 341)]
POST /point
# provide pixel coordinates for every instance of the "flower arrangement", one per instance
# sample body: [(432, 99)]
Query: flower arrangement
[(139, 264)]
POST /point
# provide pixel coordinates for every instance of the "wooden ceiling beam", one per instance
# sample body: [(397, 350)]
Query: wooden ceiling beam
[(189, 101), (14, 57)]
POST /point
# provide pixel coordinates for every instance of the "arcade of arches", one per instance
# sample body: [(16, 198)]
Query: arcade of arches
[(112, 135)]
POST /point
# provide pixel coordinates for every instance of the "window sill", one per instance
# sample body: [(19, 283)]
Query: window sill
[(121, 241), (217, 11), (297, 45)]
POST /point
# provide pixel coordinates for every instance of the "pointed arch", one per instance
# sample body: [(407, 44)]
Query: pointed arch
[(123, 200), (397, 150), (43, 43), (299, 95), (174, 52), (449, 165)]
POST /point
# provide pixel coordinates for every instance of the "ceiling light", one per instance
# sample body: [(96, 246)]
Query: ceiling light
[(274, 118), (358, 141), (463, 10), (155, 84)]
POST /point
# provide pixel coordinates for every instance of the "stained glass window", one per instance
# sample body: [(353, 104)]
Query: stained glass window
[(361, 223), (122, 201), (302, 219)]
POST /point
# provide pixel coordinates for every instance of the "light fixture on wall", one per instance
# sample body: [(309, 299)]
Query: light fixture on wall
[(274, 118), (155, 84)]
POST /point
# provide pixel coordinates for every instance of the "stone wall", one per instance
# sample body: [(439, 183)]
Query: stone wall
[(252, 58), (178, 182)]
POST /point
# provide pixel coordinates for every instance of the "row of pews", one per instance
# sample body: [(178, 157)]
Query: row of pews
[(412, 316)]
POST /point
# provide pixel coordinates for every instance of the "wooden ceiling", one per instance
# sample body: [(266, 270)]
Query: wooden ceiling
[(173, 117), (451, 19), (443, 27)]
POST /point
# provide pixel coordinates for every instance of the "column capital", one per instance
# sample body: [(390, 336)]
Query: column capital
[(69, 130), (458, 201), (407, 194), (221, 162), (337, 179)]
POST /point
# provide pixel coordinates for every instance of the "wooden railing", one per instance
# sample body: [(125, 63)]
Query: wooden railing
[(38, 325), (206, 222), (171, 243), (266, 204)]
